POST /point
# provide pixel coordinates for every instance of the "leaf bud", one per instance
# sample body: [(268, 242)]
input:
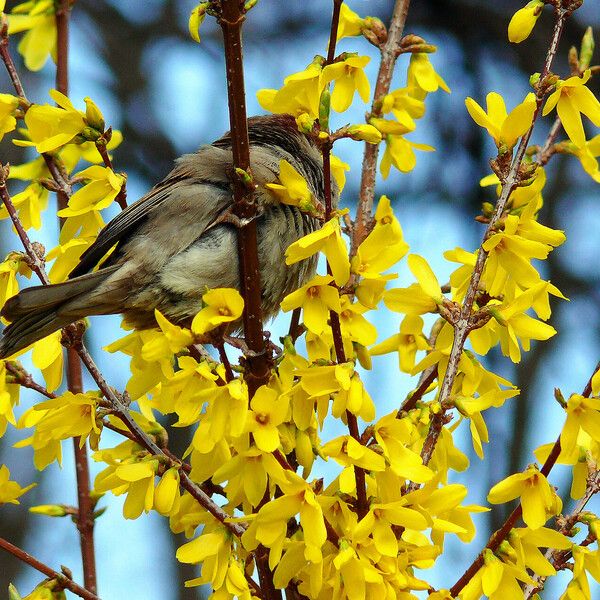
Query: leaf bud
[(534, 79), (587, 49), (13, 594), (375, 31), (573, 60), (324, 109)]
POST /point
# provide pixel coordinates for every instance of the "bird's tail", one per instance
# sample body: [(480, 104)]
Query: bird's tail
[(41, 310)]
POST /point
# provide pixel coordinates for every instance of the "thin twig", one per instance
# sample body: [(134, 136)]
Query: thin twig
[(9, 63), (463, 324), (389, 54), (121, 197), (61, 578)]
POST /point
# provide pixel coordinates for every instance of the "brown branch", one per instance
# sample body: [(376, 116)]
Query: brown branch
[(417, 394), (389, 54), (463, 324), (34, 261), (61, 578), (258, 360), (547, 149), (499, 536), (9, 63), (85, 513)]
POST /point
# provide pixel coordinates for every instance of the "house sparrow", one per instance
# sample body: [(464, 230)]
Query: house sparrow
[(174, 244)]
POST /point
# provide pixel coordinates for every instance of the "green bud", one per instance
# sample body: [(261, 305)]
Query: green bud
[(534, 79), (13, 594), (50, 510), (250, 5), (587, 49), (89, 134), (288, 345), (324, 109), (93, 116)]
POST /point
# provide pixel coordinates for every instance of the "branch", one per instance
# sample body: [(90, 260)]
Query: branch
[(230, 16), (499, 536), (389, 54), (61, 578), (85, 513), (463, 324)]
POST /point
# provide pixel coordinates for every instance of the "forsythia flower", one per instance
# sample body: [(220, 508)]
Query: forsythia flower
[(222, 305), (293, 188), (348, 77), (523, 21), (399, 152), (328, 240), (505, 128), (538, 498), (51, 127), (48, 357), (8, 105), (268, 410), (10, 490), (101, 188), (316, 298), (39, 20), (300, 94), (350, 23), (572, 98)]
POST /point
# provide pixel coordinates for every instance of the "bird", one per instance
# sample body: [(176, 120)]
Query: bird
[(174, 243)]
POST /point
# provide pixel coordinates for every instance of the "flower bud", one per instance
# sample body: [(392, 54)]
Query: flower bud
[(93, 115), (587, 49)]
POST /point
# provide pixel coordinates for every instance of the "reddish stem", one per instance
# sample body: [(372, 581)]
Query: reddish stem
[(258, 359), (62, 579)]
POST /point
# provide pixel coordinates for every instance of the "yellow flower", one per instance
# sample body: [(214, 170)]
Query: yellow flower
[(9, 397), (40, 24), (8, 105), (366, 133), (293, 188), (354, 325), (174, 340), (299, 95), (350, 23), (348, 77), (538, 498), (51, 127), (10, 490), (166, 494), (269, 410), (505, 128), (69, 415), (66, 257), (29, 204), (523, 21), (48, 357), (571, 98), (406, 343), (348, 452), (131, 475), (101, 188), (338, 168), (316, 298), (582, 414), (383, 247), (9, 286), (222, 305), (588, 157), (328, 240), (399, 152), (422, 77)]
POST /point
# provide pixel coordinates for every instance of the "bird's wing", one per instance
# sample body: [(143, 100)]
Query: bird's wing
[(123, 226)]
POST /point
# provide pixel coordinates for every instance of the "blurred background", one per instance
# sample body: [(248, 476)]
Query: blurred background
[(167, 95)]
